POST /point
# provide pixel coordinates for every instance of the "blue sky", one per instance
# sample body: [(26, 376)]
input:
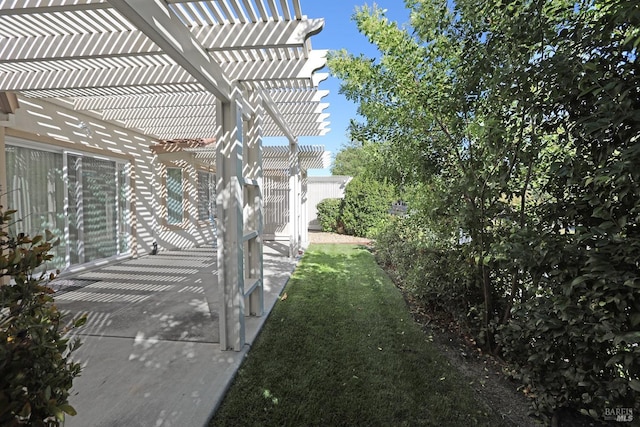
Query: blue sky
[(340, 32)]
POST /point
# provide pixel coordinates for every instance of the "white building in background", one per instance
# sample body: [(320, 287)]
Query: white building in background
[(91, 93)]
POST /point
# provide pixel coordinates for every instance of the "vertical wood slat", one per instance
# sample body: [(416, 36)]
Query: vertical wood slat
[(304, 210), (239, 204)]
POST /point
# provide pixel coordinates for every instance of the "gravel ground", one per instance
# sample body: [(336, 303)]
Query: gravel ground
[(322, 237)]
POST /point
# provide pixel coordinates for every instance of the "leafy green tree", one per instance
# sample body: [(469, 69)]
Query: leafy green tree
[(349, 161), (430, 108), (520, 121)]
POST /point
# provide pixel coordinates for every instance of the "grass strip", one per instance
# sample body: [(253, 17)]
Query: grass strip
[(342, 349)]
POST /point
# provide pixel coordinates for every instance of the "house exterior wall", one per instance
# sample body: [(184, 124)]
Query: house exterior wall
[(60, 128), (320, 188)]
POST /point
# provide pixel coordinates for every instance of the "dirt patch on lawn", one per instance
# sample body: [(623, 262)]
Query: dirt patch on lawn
[(483, 372)]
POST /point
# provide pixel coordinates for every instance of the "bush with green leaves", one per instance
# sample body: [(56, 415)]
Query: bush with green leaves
[(329, 215), (36, 372), (435, 272), (575, 337), (576, 342), (365, 207)]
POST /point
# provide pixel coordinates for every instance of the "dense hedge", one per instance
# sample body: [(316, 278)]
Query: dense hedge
[(432, 270), (365, 207), (329, 215), (572, 340), (363, 211)]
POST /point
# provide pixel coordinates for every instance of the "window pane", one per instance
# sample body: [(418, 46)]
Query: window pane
[(174, 195), (124, 227), (74, 172), (36, 190), (206, 196), (100, 208)]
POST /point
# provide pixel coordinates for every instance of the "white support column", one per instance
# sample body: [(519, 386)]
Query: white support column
[(294, 199), (254, 294), (230, 225), (304, 214)]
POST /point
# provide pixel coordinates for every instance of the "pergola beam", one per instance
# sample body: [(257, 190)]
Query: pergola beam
[(271, 109), (39, 7), (260, 35), (263, 35), (134, 102), (74, 46), (272, 129), (202, 110), (104, 78), (177, 132), (165, 30), (159, 74), (303, 108), (297, 97)]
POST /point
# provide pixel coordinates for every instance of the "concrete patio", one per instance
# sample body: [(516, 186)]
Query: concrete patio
[(151, 354)]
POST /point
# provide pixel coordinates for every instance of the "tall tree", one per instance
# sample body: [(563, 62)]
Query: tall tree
[(350, 160), (523, 120), (432, 100)]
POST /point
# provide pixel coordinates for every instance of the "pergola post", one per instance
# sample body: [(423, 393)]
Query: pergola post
[(304, 214), (253, 215), (230, 225), (294, 199)]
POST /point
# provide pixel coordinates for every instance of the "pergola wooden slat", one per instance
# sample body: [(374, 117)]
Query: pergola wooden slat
[(236, 70)]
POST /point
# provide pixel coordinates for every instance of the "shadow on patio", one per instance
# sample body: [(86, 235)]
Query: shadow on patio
[(150, 352)]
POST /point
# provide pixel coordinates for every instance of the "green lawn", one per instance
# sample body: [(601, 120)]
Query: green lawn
[(342, 349)]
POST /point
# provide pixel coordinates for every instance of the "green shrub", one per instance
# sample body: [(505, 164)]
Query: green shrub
[(434, 271), (366, 204), (329, 215), (576, 342), (36, 373)]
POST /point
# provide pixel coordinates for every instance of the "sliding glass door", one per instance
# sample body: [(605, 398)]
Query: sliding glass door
[(35, 183), (81, 198)]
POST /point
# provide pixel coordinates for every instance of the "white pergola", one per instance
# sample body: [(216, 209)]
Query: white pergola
[(233, 70)]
